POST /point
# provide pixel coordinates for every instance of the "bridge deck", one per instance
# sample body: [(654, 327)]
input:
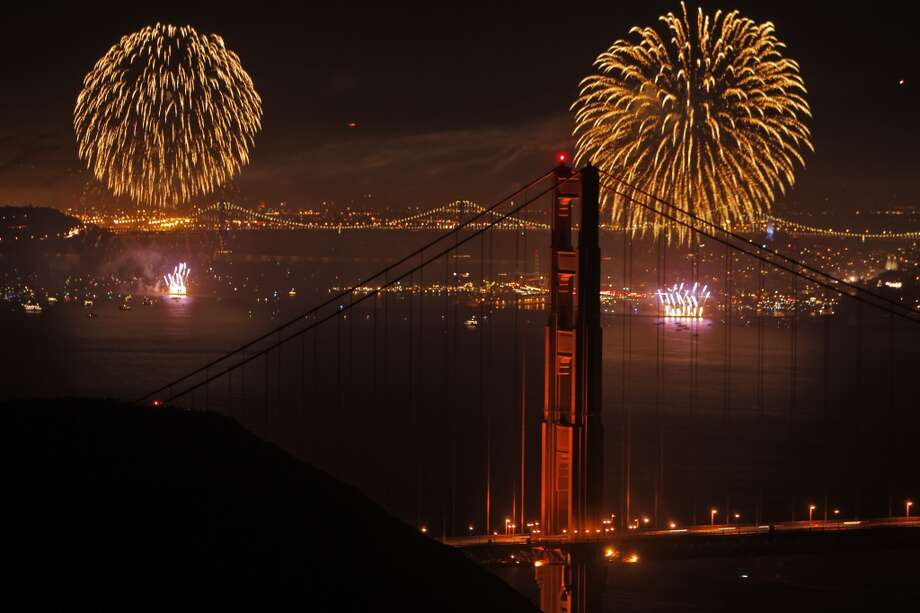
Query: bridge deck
[(711, 530)]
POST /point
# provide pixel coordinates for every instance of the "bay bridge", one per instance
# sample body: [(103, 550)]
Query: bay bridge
[(227, 214), (476, 420)]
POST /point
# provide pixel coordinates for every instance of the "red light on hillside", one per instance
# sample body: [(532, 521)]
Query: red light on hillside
[(157, 403), (562, 157), (352, 124)]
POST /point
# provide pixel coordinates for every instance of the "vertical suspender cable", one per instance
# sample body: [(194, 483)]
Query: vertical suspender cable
[(230, 393), (826, 463), (659, 324), (349, 396), (410, 288), (624, 374), (455, 449), (487, 381), (338, 364), (374, 396), (892, 445), (794, 366), (386, 339), (857, 379), (521, 362), (314, 381), (302, 422), (758, 313), (278, 404), (419, 470), (482, 411), (265, 417), (447, 462)]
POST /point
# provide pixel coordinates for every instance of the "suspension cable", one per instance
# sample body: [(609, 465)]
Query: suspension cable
[(373, 293), (908, 315), (353, 288), (736, 236)]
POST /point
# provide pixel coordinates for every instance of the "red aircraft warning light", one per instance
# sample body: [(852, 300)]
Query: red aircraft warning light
[(352, 124), (562, 157)]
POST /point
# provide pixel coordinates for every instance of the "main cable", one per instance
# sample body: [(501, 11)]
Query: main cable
[(344, 308), (908, 315), (738, 237), (350, 290)]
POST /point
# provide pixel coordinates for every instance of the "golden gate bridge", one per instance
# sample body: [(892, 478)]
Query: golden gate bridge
[(637, 426)]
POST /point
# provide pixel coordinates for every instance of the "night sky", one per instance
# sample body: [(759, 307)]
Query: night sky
[(451, 101)]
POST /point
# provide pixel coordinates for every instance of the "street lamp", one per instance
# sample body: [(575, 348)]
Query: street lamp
[(712, 516), (907, 505), (470, 528), (811, 510)]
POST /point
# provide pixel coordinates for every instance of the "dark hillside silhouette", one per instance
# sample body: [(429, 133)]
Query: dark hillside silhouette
[(112, 506)]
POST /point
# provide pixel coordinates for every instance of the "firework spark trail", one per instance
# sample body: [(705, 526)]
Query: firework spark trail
[(166, 115), (709, 118), (681, 301), (177, 280)]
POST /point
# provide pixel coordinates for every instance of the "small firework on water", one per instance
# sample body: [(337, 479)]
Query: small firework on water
[(177, 280), (684, 301)]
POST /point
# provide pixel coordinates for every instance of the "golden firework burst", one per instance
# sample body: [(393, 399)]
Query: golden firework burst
[(166, 115), (709, 118)]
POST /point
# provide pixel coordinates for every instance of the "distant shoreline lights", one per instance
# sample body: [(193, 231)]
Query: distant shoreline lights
[(684, 301)]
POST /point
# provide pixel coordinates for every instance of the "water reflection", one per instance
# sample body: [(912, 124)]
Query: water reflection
[(571, 579)]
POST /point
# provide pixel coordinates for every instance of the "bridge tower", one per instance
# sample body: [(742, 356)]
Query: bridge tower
[(572, 456), (571, 430), (589, 365)]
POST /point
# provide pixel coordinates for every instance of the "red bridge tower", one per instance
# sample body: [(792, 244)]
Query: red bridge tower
[(572, 433)]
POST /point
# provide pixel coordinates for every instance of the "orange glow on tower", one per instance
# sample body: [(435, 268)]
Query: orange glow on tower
[(571, 460)]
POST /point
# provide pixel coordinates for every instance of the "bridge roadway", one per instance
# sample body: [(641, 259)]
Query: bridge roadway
[(831, 525)]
